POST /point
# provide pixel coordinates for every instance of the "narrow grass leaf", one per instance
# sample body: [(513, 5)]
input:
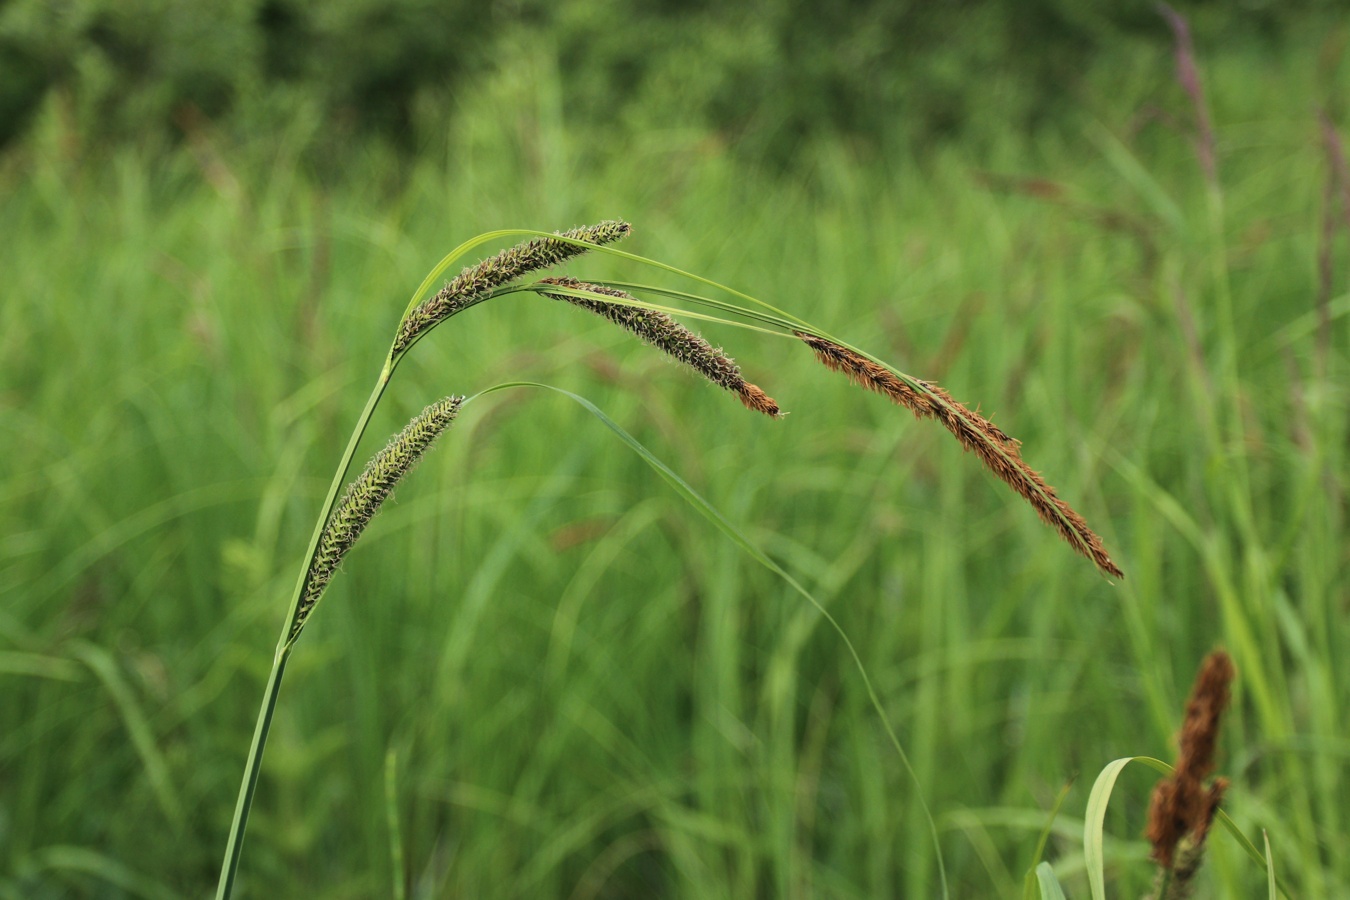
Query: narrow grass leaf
[(38, 665), (1243, 841), (1137, 176), (391, 816), (1270, 867), (545, 286), (1094, 853), (104, 668), (709, 512), (711, 302), (115, 874), (148, 520), (1029, 884), (1050, 888)]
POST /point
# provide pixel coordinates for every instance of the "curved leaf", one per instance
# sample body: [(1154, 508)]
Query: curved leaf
[(1093, 844), (709, 512)]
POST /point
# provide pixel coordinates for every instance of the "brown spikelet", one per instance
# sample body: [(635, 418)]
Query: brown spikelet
[(664, 333), (474, 283), (1182, 807), (363, 498), (999, 452)]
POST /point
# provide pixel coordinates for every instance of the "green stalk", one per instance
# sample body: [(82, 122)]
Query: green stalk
[(252, 767), (234, 846)]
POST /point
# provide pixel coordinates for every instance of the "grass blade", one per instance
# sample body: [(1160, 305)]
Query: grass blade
[(1093, 821), (104, 667), (38, 665), (82, 860), (1270, 867), (391, 815), (1029, 885), (709, 512), (1050, 888)]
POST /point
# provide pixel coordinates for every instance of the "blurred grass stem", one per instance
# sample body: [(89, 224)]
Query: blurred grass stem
[(285, 643)]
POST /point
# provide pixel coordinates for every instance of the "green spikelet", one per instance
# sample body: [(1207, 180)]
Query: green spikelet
[(363, 497), (664, 333), (474, 283)]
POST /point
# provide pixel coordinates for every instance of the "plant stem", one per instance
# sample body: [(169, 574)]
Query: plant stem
[(250, 781), (253, 766), (339, 478)]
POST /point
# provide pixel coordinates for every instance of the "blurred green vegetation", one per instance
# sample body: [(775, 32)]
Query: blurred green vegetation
[(765, 74), (587, 691)]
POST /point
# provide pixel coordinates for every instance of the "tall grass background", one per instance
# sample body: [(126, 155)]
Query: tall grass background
[(541, 674)]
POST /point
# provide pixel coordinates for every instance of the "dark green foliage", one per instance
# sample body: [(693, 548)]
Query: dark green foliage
[(768, 75), (136, 65), (24, 77)]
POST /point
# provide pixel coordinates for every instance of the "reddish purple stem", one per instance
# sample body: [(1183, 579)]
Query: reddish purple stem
[(1189, 77)]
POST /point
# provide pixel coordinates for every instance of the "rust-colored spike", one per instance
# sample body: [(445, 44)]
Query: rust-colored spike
[(999, 452), (1182, 806)]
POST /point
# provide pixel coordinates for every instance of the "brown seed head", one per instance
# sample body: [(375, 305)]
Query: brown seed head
[(474, 283), (999, 452), (1182, 806), (664, 333)]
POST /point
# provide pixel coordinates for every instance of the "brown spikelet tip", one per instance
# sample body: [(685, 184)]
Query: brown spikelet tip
[(1181, 803), (1000, 453), (664, 333), (757, 400)]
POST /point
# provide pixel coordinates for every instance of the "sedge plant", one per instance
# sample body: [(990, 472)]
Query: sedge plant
[(345, 514)]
